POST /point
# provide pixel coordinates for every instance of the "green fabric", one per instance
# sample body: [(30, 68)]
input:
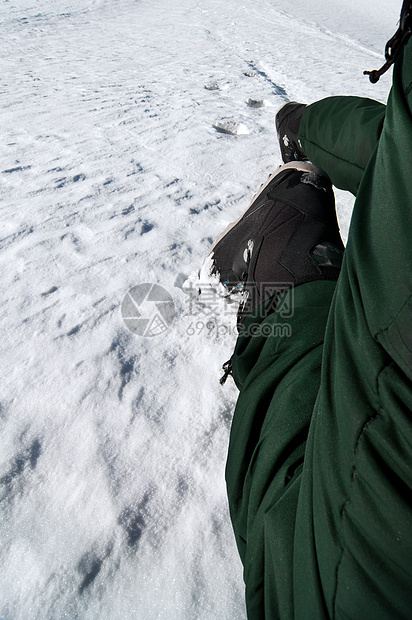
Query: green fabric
[(278, 387), (343, 148), (319, 470)]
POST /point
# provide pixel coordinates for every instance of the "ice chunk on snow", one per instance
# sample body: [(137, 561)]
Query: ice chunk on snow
[(231, 127), (212, 86), (258, 103)]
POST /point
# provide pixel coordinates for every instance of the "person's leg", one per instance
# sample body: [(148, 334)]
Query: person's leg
[(278, 373), (360, 442), (288, 237), (353, 535), (340, 134), (277, 370)]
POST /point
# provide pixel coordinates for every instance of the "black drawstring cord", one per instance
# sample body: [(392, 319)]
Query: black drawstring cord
[(395, 44), (227, 367), (392, 51)]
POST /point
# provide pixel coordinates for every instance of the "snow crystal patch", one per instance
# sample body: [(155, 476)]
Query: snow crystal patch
[(180, 280), (207, 279), (206, 276), (311, 178)]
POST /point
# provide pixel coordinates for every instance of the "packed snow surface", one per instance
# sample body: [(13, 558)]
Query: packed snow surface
[(114, 182)]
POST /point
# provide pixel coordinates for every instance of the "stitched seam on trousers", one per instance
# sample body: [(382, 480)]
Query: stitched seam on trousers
[(364, 428), (333, 154)]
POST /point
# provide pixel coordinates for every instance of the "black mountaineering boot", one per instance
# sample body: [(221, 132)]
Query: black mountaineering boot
[(289, 235), (287, 122)]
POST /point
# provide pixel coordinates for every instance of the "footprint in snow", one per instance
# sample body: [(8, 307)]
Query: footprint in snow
[(230, 127), (52, 290), (16, 169), (65, 180)]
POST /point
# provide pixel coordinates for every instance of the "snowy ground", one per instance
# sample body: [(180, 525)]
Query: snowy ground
[(113, 174)]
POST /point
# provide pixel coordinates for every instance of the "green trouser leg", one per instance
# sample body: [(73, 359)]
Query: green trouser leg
[(353, 537), (343, 149), (278, 376), (323, 520)]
